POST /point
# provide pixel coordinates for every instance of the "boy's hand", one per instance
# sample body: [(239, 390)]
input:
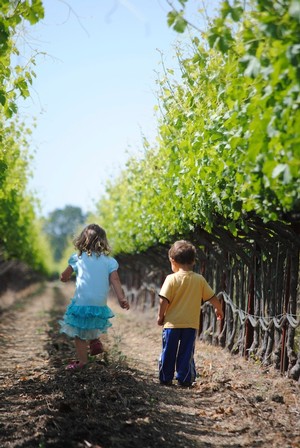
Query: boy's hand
[(214, 301), (219, 314), (160, 320)]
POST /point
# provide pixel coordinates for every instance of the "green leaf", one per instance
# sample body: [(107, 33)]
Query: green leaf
[(278, 170), (177, 21), (236, 13), (183, 2), (171, 17), (253, 67), (232, 227), (180, 24), (294, 9), (2, 98)]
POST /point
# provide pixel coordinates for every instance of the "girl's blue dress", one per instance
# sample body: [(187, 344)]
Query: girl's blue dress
[(87, 316)]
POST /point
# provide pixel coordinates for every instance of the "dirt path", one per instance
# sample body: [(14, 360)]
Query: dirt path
[(117, 401)]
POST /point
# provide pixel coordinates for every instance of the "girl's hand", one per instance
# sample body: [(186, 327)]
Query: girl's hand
[(66, 275), (124, 304)]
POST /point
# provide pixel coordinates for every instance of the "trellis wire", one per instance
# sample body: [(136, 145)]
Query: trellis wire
[(257, 276)]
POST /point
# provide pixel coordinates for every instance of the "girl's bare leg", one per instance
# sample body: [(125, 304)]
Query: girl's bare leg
[(96, 347), (81, 350)]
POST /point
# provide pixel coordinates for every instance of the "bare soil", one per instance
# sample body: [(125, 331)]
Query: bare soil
[(117, 400)]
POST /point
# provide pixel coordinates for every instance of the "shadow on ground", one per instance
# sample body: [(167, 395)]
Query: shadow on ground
[(106, 405)]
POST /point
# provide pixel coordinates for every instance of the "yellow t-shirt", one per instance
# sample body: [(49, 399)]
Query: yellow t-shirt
[(185, 292)]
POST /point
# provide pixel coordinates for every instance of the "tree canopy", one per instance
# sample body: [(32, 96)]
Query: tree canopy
[(60, 226)]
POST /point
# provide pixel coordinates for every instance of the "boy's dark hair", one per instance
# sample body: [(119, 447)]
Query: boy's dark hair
[(183, 252)]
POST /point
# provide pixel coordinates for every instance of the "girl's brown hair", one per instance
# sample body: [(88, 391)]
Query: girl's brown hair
[(92, 240)]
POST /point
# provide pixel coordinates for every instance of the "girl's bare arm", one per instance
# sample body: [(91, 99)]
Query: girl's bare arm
[(116, 284), (66, 275)]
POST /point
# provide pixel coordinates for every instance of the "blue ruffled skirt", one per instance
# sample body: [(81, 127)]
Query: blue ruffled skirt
[(86, 322)]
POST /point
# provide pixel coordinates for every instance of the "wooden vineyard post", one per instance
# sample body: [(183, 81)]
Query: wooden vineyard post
[(248, 325), (283, 354), (202, 272)]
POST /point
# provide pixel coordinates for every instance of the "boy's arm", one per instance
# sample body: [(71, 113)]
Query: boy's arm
[(214, 301), (66, 275), (116, 284), (163, 305)]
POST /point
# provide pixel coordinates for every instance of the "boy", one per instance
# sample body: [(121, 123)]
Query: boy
[(181, 297)]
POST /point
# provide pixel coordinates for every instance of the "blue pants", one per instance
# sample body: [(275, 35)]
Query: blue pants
[(178, 346)]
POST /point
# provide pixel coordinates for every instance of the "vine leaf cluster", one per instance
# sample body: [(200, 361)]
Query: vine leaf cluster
[(20, 232)]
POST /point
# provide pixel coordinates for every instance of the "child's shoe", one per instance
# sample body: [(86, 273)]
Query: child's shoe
[(96, 347), (76, 365), (185, 383), (166, 383)]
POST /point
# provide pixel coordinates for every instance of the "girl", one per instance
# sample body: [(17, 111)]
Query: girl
[(88, 314)]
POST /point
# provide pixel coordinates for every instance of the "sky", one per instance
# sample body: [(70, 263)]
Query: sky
[(94, 94)]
